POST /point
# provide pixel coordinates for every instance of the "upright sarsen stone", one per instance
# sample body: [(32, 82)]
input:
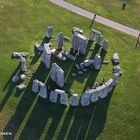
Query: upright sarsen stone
[(60, 41), (79, 43), (46, 58), (49, 32), (57, 75)]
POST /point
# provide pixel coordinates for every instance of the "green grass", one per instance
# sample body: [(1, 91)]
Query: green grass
[(30, 117), (112, 9)]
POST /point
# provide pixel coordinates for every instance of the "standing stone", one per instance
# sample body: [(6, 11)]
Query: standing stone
[(64, 99), (60, 40), (99, 40), (79, 42), (109, 85), (74, 100), (85, 99), (116, 69), (23, 64), (97, 62), (53, 96), (115, 78), (93, 33), (35, 86), (88, 62), (43, 90), (105, 45), (74, 43), (101, 91), (15, 79), (46, 59), (49, 32), (57, 75), (94, 95)]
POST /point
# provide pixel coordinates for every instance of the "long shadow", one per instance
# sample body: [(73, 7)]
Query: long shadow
[(90, 121), (95, 51), (9, 87), (46, 40), (10, 78), (99, 119), (66, 123), (39, 118), (55, 121), (102, 54), (81, 118), (36, 56), (25, 103), (6, 97)]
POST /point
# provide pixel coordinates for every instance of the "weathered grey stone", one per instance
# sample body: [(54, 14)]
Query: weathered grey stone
[(53, 96), (59, 91), (79, 43), (105, 45), (84, 69), (80, 72), (94, 95), (74, 74), (35, 86), (82, 66), (60, 56), (15, 79), (97, 62), (109, 85), (77, 30), (116, 69), (99, 40), (88, 62), (49, 33), (77, 67), (74, 100), (46, 58), (64, 99), (23, 64), (85, 99), (115, 58), (57, 75), (93, 33), (101, 91), (60, 40), (69, 56), (22, 77), (21, 87), (43, 90), (39, 47), (18, 55), (115, 78)]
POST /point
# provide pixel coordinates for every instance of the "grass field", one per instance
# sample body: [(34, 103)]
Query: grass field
[(112, 9), (28, 116)]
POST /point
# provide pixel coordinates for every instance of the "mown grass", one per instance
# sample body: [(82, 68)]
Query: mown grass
[(27, 115), (112, 10)]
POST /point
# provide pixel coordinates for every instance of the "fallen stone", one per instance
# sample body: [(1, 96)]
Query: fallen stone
[(21, 87), (80, 72)]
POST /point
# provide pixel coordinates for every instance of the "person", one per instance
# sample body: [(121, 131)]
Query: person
[(137, 41), (123, 6), (91, 24)]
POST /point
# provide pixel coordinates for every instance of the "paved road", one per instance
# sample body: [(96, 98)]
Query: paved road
[(99, 19)]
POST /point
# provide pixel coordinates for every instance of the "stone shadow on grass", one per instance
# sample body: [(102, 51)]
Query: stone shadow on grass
[(10, 78), (42, 114), (25, 103), (9, 87), (90, 121)]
